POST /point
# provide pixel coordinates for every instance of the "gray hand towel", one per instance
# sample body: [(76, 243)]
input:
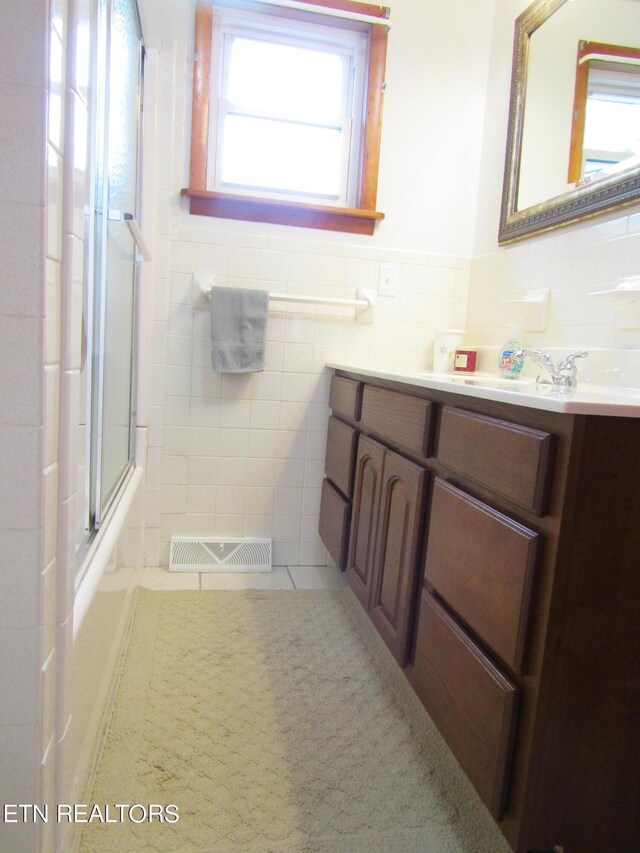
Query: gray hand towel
[(238, 327)]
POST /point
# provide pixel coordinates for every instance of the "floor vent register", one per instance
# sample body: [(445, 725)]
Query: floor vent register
[(197, 554)]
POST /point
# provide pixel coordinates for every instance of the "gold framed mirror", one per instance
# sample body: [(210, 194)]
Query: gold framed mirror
[(549, 63)]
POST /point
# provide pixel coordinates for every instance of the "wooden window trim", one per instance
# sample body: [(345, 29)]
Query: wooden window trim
[(578, 123), (203, 202)]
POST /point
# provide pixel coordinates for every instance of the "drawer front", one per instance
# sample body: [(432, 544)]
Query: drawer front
[(512, 460), (403, 420), (345, 397), (482, 564), (335, 515), (341, 454), (468, 698)]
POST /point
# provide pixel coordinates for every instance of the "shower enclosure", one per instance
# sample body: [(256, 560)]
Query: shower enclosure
[(113, 249)]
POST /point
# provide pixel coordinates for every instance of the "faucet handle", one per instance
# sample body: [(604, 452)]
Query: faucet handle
[(568, 367)]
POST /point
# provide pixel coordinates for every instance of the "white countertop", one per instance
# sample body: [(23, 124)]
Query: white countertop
[(587, 399)]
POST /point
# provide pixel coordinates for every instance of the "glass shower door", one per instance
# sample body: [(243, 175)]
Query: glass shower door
[(115, 271)]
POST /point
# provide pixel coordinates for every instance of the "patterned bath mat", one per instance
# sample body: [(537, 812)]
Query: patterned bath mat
[(273, 722)]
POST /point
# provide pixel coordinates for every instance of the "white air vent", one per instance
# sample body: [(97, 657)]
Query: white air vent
[(195, 554)]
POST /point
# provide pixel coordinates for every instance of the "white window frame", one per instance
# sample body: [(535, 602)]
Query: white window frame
[(349, 44)]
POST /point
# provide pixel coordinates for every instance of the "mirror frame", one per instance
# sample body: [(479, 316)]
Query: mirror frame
[(601, 196)]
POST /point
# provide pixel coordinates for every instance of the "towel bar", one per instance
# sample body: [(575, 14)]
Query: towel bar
[(364, 302)]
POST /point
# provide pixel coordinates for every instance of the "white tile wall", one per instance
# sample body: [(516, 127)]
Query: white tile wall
[(223, 427), (43, 87), (571, 263), (241, 455), (26, 398)]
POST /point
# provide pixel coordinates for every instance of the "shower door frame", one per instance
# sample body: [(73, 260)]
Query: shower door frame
[(99, 216)]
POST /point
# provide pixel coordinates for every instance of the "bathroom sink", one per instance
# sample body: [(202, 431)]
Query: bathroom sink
[(490, 380), (587, 398), (493, 382)]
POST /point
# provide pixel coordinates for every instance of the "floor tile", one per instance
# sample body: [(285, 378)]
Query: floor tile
[(317, 577), (277, 579), (159, 579)]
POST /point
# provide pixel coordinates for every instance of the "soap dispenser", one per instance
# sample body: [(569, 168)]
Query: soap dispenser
[(510, 365)]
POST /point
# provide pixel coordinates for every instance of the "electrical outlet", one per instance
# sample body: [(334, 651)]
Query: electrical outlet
[(388, 280)]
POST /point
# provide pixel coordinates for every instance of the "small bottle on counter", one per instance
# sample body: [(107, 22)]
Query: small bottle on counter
[(510, 365)]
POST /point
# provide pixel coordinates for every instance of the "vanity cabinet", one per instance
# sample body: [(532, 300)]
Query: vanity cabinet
[(496, 548)]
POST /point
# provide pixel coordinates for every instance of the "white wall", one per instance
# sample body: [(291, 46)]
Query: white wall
[(433, 112), (433, 115), (243, 455), (572, 261)]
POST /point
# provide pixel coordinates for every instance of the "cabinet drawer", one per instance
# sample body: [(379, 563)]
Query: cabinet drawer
[(482, 564), (335, 515), (403, 420), (341, 454), (345, 397), (468, 698), (512, 460)]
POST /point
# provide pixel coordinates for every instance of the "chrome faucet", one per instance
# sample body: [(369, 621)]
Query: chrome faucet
[(565, 375)]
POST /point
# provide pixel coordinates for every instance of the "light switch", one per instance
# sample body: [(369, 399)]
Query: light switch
[(388, 280)]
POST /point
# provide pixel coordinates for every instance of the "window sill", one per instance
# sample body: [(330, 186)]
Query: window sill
[(252, 209)]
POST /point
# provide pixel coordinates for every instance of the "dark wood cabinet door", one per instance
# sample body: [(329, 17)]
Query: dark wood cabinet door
[(366, 498), (396, 558), (335, 513)]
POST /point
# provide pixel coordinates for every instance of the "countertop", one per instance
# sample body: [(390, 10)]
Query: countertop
[(587, 399)]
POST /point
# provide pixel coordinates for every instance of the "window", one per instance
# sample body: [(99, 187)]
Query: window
[(284, 124), (287, 108)]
